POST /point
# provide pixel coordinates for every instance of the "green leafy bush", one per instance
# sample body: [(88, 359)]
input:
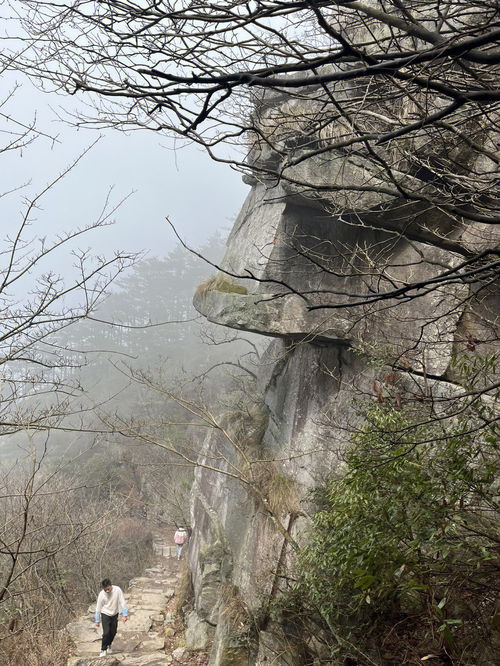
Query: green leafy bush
[(407, 540)]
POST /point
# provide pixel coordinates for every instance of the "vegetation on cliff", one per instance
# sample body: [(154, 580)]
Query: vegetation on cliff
[(403, 555)]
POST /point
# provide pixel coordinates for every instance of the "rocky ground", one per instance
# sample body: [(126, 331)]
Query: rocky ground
[(153, 635)]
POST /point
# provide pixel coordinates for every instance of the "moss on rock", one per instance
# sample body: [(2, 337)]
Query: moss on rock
[(220, 283)]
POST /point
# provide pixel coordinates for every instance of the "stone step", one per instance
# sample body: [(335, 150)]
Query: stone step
[(140, 620), (83, 630), (145, 660), (121, 660)]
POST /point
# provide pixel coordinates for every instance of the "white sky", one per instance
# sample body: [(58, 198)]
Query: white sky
[(197, 194)]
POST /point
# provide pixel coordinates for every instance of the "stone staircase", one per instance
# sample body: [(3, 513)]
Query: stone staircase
[(141, 640)]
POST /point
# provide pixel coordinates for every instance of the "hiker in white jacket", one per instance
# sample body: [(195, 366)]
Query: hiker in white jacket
[(110, 602)]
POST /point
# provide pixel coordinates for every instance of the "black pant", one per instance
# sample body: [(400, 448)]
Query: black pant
[(109, 627)]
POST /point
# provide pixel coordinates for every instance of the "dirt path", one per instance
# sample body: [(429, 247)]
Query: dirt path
[(149, 637)]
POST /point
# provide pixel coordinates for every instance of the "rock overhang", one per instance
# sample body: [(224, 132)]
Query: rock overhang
[(285, 317)]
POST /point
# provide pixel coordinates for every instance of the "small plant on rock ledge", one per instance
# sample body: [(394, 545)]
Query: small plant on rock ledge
[(222, 283)]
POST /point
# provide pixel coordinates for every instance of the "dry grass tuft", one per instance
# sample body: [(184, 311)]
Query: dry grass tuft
[(184, 593), (281, 492), (247, 425), (234, 610)]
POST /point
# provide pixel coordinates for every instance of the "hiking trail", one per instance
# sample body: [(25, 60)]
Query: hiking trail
[(144, 639)]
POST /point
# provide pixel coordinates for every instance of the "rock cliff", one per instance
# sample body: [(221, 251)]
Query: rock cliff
[(310, 271)]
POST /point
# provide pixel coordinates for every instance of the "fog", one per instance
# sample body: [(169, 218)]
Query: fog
[(141, 168)]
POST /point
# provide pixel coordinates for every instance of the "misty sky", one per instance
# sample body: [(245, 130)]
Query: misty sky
[(198, 195)]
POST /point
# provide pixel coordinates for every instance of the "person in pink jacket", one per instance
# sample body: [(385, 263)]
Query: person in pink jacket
[(110, 602), (180, 538)]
